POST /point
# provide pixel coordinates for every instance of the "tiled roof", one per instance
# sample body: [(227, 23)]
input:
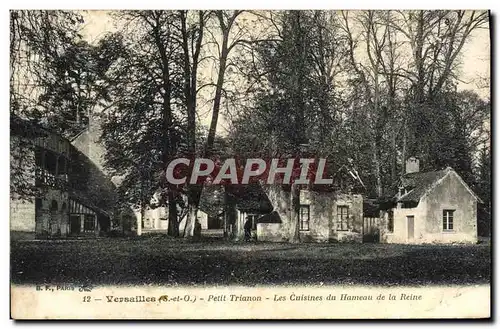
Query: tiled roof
[(84, 200), (273, 217), (419, 183), (251, 198), (248, 198)]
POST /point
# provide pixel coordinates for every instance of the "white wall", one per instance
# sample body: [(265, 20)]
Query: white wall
[(400, 232)]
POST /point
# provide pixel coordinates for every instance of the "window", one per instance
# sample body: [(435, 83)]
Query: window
[(390, 221), (39, 155), (38, 209), (448, 220), (342, 216), (304, 217), (53, 206), (50, 162), (61, 165), (38, 204), (253, 220), (89, 223)]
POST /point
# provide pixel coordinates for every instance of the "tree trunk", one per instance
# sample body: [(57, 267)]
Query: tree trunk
[(190, 94), (140, 220), (173, 222), (239, 230), (295, 214), (376, 170), (394, 154), (217, 99), (167, 135), (225, 27), (229, 216), (194, 195), (191, 217), (189, 229), (403, 152)]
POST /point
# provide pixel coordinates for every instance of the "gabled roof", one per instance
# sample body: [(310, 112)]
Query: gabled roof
[(26, 128), (271, 218), (212, 200), (248, 198), (84, 200), (251, 198), (421, 183)]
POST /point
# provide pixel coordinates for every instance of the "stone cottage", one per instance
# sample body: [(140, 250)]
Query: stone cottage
[(156, 220), (323, 216), (432, 207), (69, 195), (244, 203)]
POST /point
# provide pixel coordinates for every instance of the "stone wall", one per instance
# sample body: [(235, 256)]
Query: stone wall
[(156, 220), (202, 218), (400, 231), (25, 220), (44, 221), (354, 232), (271, 232), (451, 194), (94, 180), (88, 142), (320, 214), (53, 222), (22, 215), (281, 201)]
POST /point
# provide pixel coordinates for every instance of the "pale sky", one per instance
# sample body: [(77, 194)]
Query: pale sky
[(476, 63), (475, 68)]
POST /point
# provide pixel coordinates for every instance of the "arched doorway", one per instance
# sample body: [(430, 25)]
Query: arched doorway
[(64, 224), (40, 224), (54, 218)]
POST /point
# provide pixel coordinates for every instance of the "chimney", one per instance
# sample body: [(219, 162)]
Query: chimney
[(412, 165)]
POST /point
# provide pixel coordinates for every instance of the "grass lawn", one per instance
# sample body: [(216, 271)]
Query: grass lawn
[(166, 261)]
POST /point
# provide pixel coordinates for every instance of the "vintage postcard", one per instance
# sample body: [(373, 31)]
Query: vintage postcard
[(250, 164)]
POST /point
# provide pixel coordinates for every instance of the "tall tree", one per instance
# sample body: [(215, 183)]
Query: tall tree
[(147, 93), (38, 38), (436, 40), (191, 32), (79, 84), (298, 109), (226, 35)]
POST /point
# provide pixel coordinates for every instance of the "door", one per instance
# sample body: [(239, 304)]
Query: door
[(411, 226), (89, 223), (54, 218), (371, 229), (75, 224)]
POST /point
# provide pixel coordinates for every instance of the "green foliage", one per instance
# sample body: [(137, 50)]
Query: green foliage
[(79, 84), (345, 85), (299, 109), (143, 128), (309, 91), (38, 39)]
